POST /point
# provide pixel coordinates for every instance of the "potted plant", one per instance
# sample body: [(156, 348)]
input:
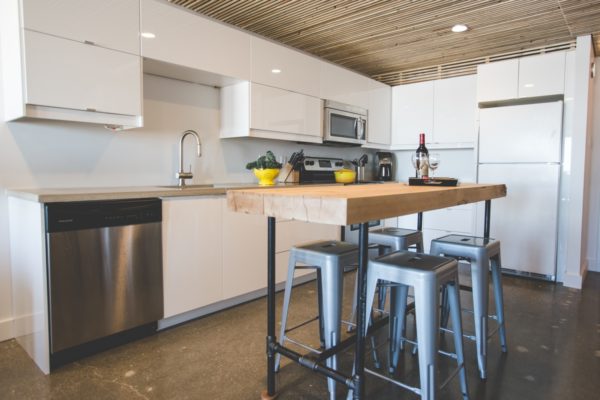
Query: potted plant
[(265, 168)]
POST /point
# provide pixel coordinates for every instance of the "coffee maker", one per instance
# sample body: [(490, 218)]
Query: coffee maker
[(384, 166)]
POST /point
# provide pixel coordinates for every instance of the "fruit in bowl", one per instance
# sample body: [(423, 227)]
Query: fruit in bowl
[(345, 176), (265, 168)]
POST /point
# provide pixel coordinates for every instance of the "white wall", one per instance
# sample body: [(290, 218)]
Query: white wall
[(36, 154), (593, 252)]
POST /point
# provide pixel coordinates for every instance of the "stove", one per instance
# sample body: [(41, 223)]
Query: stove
[(319, 169)]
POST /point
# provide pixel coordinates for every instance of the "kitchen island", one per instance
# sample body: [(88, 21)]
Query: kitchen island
[(343, 205)]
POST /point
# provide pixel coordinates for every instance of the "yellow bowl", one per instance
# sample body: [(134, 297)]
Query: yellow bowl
[(266, 177), (345, 176)]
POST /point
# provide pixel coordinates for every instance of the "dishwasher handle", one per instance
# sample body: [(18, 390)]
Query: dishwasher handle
[(71, 216)]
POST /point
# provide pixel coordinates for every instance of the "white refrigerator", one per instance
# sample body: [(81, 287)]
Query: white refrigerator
[(520, 146)]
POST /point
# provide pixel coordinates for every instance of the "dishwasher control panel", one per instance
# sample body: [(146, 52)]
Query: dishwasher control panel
[(61, 217)]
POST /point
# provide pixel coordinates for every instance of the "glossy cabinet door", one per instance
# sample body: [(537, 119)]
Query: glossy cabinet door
[(298, 72), (113, 24), (542, 75), (379, 130), (455, 111), (66, 74), (345, 86), (187, 39), (498, 81), (278, 110), (192, 252), (412, 113)]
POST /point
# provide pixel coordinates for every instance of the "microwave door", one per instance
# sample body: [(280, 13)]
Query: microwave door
[(342, 127)]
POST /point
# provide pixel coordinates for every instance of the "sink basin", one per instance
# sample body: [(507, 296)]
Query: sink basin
[(208, 185)]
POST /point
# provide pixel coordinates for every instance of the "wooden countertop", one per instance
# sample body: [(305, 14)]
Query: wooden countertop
[(343, 205)]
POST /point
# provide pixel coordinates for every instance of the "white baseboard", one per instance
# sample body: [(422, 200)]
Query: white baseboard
[(575, 281), (6, 329)]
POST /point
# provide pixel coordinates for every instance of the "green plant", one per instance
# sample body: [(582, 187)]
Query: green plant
[(264, 162)]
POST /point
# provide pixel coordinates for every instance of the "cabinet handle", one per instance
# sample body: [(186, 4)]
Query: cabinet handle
[(90, 109), (89, 42)]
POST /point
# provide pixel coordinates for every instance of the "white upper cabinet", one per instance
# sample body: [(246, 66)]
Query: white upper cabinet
[(412, 113), (345, 86), (95, 79), (498, 80), (183, 38), (253, 110), (62, 65), (445, 110), (455, 111), (379, 130), (542, 75), (533, 76), (278, 66), (113, 24)]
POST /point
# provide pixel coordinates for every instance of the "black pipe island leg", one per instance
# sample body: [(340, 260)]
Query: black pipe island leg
[(486, 221), (359, 357), (271, 340)]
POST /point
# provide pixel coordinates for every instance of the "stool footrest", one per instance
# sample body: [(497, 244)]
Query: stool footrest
[(413, 389), (304, 346), (308, 321)]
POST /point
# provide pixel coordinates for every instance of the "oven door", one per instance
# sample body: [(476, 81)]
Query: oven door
[(344, 127)]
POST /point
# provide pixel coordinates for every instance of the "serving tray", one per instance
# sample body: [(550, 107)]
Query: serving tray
[(437, 181)]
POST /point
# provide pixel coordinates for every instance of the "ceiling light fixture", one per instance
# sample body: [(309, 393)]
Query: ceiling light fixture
[(148, 35), (460, 28), (276, 71)]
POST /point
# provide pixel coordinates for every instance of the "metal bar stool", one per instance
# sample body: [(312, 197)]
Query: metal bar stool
[(389, 240), (329, 258), (426, 274), (479, 252)]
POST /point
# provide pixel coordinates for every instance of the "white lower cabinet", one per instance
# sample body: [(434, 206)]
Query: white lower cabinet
[(212, 255), (192, 252)]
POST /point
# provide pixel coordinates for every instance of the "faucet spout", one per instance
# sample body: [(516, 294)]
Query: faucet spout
[(183, 175)]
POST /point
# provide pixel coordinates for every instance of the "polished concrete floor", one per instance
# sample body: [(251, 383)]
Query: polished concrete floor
[(554, 353)]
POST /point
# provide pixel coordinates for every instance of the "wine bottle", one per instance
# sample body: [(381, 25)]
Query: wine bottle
[(422, 157)]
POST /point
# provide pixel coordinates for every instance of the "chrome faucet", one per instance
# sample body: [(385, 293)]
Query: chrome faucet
[(182, 175)]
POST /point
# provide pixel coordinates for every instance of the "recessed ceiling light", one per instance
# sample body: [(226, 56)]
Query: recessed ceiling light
[(276, 71), (529, 85), (460, 28), (148, 35)]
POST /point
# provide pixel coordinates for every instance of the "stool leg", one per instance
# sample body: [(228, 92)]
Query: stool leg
[(332, 280), (445, 307), (454, 301), (287, 294), (499, 299), (426, 306), (354, 304), (398, 300), (479, 278), (320, 303)]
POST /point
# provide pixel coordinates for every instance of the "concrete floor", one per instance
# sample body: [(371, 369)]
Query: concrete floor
[(554, 353)]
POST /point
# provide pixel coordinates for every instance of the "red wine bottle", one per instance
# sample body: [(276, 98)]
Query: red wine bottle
[(422, 157)]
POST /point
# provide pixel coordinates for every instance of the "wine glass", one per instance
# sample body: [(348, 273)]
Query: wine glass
[(434, 162), (418, 161)]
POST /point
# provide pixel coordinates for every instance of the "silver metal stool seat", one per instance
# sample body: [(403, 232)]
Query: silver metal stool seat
[(479, 252), (329, 258), (426, 274)]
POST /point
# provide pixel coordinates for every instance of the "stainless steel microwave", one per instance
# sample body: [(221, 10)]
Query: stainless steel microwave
[(344, 124)]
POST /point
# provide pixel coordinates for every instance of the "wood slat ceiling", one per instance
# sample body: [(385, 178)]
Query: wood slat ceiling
[(392, 40)]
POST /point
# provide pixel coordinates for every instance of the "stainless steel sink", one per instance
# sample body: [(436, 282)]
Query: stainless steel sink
[(208, 185)]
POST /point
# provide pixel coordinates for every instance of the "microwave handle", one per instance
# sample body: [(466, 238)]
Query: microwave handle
[(361, 128)]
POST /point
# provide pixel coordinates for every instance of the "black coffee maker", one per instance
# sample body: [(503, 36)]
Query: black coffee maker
[(384, 166)]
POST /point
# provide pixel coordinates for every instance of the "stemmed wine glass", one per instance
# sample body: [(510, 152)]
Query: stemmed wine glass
[(434, 162), (417, 161)]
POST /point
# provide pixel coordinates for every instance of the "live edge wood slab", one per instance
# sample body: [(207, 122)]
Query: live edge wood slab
[(344, 205)]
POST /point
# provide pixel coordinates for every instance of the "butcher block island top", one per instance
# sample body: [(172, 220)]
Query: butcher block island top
[(344, 205)]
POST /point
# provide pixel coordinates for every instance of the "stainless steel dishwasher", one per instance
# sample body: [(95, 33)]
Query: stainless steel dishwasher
[(104, 271)]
